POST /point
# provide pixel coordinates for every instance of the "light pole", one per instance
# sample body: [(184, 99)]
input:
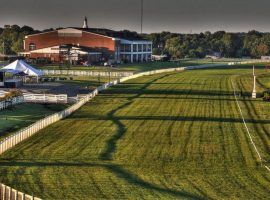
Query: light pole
[(3, 47), (254, 94), (142, 9)]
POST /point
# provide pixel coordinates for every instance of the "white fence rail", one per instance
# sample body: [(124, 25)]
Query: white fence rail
[(8, 193), (12, 102), (87, 73), (45, 98), (248, 62)]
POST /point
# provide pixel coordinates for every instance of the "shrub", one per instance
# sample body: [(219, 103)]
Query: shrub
[(11, 94), (266, 96)]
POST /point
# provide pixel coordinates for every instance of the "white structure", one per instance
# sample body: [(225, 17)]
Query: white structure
[(254, 94), (19, 66), (134, 50), (85, 23)]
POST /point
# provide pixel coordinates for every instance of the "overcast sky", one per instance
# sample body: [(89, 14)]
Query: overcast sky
[(183, 16)]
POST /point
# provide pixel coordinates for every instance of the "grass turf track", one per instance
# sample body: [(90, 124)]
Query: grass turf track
[(22, 115), (167, 136)]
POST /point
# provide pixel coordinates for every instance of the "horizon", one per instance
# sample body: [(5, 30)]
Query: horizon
[(193, 16), (55, 28)]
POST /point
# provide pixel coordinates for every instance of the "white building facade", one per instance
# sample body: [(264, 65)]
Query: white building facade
[(135, 50)]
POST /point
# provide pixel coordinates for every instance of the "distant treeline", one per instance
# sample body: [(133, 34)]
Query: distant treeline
[(234, 45)]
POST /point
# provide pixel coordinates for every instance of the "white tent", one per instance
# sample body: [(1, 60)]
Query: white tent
[(19, 66)]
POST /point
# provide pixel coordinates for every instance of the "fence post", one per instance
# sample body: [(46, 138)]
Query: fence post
[(4, 192)]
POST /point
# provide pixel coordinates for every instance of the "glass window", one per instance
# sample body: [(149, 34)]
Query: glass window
[(139, 48), (135, 48), (32, 46), (127, 48), (149, 47), (122, 47), (144, 47)]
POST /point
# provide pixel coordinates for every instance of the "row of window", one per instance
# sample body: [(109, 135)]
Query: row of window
[(136, 58), (123, 47), (136, 47)]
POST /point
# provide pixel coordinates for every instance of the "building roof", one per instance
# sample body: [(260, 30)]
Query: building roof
[(126, 35)]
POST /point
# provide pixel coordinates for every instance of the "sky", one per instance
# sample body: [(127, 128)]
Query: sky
[(182, 16)]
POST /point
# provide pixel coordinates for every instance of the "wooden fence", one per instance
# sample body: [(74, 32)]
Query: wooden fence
[(45, 98), (9, 103), (87, 73), (8, 193)]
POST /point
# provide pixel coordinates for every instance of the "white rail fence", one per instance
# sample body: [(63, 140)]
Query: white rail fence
[(9, 103), (249, 62), (8, 193), (27, 132), (45, 98), (87, 73)]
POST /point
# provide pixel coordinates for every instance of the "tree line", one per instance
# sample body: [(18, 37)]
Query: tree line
[(253, 44)]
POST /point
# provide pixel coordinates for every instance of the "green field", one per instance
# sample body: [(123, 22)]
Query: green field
[(167, 136), (23, 115), (83, 81), (140, 67)]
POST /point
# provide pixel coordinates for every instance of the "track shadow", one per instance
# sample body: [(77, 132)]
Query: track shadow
[(178, 118), (117, 170), (121, 128), (126, 91)]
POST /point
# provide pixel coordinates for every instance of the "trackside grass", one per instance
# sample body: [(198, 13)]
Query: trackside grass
[(139, 67), (22, 115), (166, 136)]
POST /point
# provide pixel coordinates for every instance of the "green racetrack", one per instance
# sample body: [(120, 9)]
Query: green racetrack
[(166, 136)]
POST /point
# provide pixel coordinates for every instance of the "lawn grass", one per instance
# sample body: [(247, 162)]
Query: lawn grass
[(22, 115), (83, 81), (166, 136), (140, 67)]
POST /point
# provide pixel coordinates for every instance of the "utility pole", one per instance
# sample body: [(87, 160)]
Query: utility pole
[(142, 10), (254, 94), (3, 47)]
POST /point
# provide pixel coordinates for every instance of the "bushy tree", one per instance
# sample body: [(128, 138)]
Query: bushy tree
[(11, 38)]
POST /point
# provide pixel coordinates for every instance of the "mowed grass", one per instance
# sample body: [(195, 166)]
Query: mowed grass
[(166, 136), (84, 81), (140, 67), (22, 115)]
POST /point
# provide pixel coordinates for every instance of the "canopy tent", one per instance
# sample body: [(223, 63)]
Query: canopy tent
[(21, 67)]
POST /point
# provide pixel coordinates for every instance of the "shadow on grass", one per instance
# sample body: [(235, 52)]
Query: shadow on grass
[(121, 128), (118, 170), (126, 91), (180, 118)]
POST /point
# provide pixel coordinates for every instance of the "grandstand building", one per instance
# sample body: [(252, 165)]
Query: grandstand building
[(87, 44)]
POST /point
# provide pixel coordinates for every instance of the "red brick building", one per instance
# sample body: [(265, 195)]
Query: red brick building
[(87, 44)]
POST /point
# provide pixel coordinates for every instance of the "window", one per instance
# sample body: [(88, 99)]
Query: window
[(149, 47), (122, 47), (139, 48), (127, 48), (135, 48), (144, 47), (32, 46)]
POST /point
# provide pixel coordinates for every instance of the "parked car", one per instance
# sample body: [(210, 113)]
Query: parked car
[(87, 64)]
